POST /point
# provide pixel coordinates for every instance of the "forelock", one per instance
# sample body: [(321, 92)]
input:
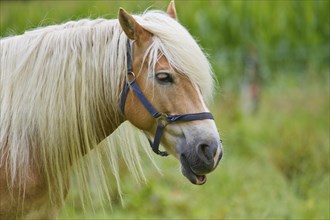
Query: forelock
[(180, 49)]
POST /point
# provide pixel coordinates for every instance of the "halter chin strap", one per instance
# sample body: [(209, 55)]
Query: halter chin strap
[(161, 118)]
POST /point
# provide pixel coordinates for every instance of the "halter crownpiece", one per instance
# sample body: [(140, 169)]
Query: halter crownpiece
[(162, 119)]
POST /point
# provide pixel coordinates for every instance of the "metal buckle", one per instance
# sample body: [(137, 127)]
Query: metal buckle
[(162, 119)]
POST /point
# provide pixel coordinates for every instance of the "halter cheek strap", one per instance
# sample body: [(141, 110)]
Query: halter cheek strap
[(161, 118)]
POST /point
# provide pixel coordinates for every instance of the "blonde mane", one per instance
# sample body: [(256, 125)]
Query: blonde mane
[(54, 82)]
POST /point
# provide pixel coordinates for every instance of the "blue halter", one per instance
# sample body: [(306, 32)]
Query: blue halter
[(161, 118)]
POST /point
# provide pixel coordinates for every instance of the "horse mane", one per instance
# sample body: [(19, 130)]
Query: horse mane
[(53, 81)]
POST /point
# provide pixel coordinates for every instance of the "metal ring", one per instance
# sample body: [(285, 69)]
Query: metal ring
[(132, 74)]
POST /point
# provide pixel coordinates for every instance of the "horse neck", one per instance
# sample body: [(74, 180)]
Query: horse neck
[(101, 117), (101, 81), (106, 125)]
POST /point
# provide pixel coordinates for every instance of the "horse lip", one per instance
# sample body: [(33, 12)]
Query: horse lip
[(191, 175)]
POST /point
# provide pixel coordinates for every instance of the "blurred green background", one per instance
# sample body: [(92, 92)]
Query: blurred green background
[(271, 59)]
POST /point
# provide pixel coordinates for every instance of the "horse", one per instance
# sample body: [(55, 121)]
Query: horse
[(64, 89)]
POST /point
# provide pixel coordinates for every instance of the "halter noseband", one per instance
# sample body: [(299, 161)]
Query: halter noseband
[(162, 119)]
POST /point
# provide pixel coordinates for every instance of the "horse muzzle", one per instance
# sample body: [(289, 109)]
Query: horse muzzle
[(200, 160)]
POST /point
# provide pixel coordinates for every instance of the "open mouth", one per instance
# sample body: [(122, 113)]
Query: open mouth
[(190, 174)]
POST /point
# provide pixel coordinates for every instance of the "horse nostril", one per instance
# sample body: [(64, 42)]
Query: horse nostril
[(206, 153)]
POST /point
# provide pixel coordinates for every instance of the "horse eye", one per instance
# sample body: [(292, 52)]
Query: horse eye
[(164, 78)]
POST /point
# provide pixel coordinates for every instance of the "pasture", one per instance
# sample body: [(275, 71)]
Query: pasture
[(276, 154)]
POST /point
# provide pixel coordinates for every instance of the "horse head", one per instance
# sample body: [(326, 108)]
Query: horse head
[(165, 91)]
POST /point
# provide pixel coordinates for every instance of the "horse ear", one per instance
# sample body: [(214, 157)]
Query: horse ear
[(171, 11), (132, 29)]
